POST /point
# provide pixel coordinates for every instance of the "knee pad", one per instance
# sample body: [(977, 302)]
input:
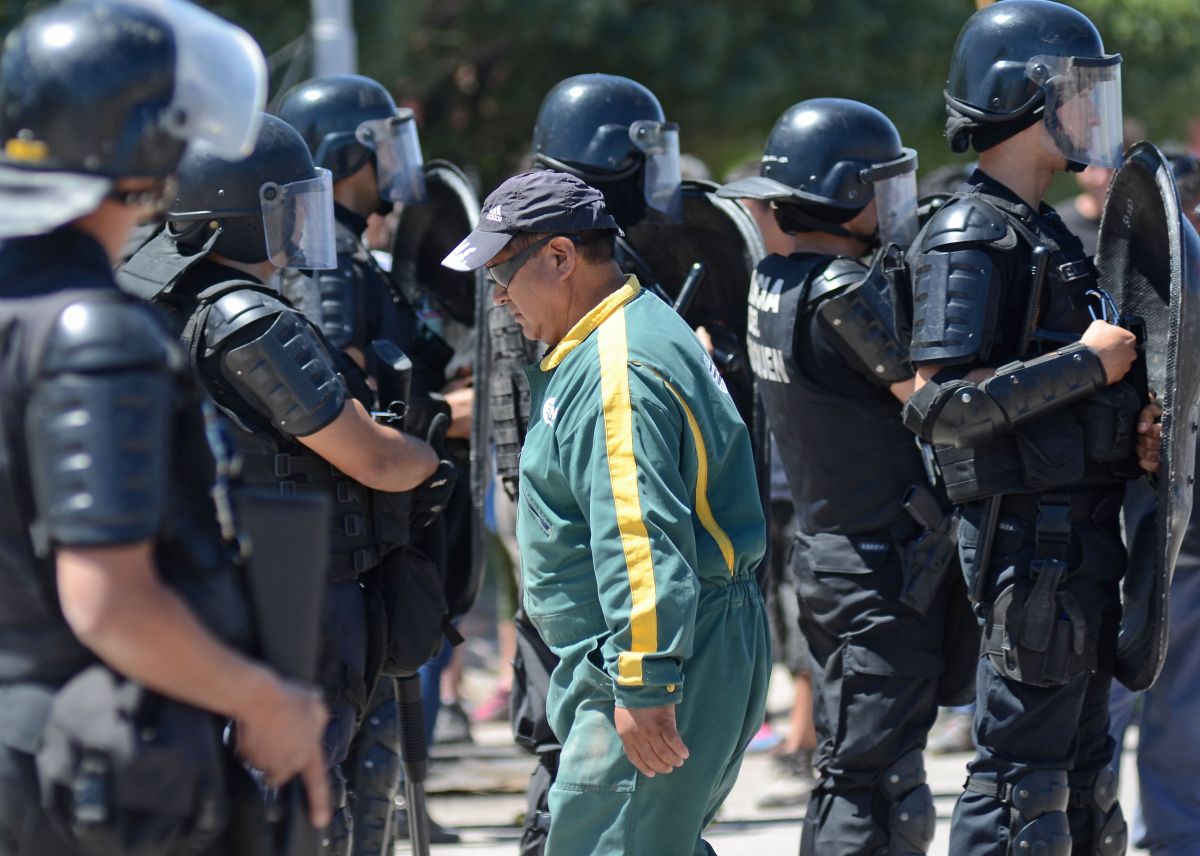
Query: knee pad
[(375, 781), (1040, 800), (912, 819), (339, 834), (1109, 832), (376, 784), (376, 754)]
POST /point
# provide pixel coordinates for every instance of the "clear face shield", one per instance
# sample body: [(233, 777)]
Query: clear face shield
[(220, 80), (895, 198), (398, 163), (298, 222), (659, 143), (1083, 107)]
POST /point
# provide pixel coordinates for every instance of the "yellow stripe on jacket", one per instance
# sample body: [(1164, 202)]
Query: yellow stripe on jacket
[(703, 510), (622, 473)]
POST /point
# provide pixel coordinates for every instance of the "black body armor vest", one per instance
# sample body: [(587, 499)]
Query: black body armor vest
[(1083, 445), (849, 460), (269, 457), (40, 278)]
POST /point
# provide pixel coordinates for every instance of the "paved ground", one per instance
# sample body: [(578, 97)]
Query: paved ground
[(478, 791)]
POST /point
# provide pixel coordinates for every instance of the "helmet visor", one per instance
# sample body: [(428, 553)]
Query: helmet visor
[(399, 166), (659, 143), (298, 222), (1083, 107), (896, 198), (220, 80)]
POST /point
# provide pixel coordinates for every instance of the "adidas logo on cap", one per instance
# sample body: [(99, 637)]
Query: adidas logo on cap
[(494, 215)]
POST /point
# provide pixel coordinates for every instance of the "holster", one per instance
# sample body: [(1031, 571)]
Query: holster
[(126, 772), (1036, 632), (926, 558)]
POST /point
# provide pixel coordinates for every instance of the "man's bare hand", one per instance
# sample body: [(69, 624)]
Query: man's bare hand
[(282, 737), (652, 742), (1149, 440), (1115, 346)]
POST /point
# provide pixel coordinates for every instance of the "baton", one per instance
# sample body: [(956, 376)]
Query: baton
[(983, 552), (691, 286), (415, 756), (1041, 258)]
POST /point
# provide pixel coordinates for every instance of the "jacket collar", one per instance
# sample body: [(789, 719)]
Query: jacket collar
[(586, 325)]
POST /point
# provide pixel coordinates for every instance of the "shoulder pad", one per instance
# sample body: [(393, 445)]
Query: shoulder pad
[(839, 274), (288, 374), (338, 293), (98, 336), (235, 309), (345, 240), (862, 322), (954, 305), (329, 299), (965, 220)]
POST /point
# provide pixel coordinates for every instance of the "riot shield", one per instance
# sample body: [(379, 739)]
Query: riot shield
[(286, 588), (425, 233), (717, 233), (1149, 261)]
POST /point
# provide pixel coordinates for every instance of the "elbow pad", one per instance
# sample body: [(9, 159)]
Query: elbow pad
[(964, 414)]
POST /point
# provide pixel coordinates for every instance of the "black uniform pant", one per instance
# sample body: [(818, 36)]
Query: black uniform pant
[(1059, 730), (875, 668)]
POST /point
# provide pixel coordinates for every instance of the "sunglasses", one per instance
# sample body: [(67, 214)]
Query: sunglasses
[(502, 274)]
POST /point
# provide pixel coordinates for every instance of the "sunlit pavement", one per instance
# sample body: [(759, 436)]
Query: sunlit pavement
[(475, 790)]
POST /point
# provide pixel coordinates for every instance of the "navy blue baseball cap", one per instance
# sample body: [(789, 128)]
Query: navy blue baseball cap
[(542, 201)]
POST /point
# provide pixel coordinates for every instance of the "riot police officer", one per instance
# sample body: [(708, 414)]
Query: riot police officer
[(111, 542), (230, 228), (872, 553), (353, 128), (1027, 399), (683, 242)]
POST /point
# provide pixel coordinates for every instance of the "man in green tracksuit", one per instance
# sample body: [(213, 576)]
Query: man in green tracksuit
[(640, 527)]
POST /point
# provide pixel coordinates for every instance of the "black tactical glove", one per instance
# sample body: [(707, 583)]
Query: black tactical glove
[(430, 497)]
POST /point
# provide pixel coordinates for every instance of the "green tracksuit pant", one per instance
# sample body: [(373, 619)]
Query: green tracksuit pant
[(601, 805)]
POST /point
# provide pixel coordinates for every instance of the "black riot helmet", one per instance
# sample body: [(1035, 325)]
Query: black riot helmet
[(825, 160), (1021, 61), (97, 90), (349, 121), (611, 132), (274, 204)]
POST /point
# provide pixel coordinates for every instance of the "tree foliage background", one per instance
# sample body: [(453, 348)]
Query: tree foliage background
[(476, 70)]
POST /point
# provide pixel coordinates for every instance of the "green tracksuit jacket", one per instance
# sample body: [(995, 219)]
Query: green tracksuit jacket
[(637, 485), (640, 528)]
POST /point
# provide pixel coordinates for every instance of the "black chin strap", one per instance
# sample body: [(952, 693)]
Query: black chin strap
[(795, 219)]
